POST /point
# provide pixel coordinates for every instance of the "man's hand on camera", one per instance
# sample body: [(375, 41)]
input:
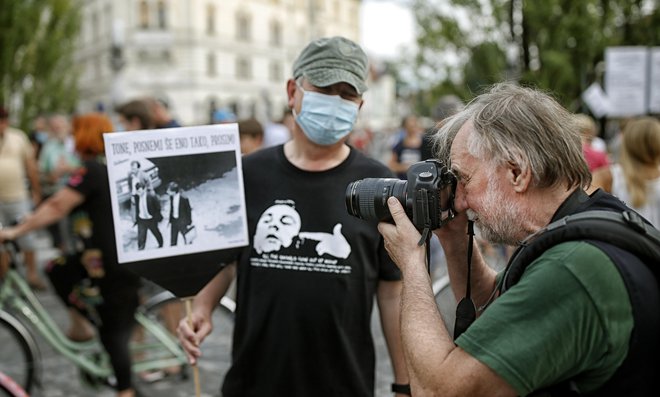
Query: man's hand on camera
[(401, 238)]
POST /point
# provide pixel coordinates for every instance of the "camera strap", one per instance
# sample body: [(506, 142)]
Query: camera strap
[(466, 312)]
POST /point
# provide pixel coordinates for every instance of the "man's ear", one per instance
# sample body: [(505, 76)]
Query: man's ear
[(290, 92), (520, 178)]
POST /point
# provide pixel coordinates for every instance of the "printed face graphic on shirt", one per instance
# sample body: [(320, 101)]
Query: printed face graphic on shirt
[(276, 228)]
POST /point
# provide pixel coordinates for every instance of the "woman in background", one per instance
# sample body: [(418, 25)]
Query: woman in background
[(636, 178), (112, 310)]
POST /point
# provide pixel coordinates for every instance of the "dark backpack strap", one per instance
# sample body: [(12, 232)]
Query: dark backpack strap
[(626, 230)]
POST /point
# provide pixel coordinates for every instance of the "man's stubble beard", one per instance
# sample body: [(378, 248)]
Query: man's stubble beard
[(500, 221)]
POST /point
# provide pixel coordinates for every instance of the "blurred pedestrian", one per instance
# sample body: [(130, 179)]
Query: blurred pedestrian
[(408, 150), (18, 164), (57, 160), (224, 116), (88, 188), (160, 113), (251, 134), (135, 115), (39, 133), (305, 298), (593, 148), (636, 178)]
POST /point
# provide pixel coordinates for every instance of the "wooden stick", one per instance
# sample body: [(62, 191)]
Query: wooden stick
[(195, 368)]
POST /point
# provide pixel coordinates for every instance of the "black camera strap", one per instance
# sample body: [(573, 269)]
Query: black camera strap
[(466, 312)]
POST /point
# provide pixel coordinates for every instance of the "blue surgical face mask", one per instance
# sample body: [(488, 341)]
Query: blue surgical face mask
[(326, 119), (41, 136)]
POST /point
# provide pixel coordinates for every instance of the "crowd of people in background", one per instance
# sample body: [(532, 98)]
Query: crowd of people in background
[(40, 169)]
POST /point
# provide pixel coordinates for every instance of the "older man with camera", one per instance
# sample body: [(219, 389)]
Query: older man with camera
[(582, 317)]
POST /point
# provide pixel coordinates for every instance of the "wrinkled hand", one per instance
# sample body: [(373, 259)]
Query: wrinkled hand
[(401, 238), (192, 332)]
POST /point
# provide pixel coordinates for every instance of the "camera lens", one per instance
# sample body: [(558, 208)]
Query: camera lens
[(367, 198)]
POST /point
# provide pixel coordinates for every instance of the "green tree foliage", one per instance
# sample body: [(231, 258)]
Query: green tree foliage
[(556, 45), (37, 40)]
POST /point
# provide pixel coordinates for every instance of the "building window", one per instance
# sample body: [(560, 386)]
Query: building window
[(211, 65), (243, 27), (144, 15), (275, 33), (210, 19), (162, 15), (275, 71), (243, 68)]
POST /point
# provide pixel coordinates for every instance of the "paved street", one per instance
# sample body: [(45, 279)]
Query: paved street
[(60, 378)]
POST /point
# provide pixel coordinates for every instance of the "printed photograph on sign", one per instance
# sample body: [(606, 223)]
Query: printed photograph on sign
[(176, 191)]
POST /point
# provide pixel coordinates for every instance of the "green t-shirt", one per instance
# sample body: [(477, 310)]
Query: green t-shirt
[(569, 314)]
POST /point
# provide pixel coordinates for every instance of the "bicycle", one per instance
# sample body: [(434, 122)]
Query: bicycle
[(20, 357)]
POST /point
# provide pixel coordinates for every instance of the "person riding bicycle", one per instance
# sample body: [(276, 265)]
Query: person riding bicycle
[(88, 189)]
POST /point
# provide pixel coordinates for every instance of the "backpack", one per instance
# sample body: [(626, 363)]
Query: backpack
[(622, 236), (626, 230)]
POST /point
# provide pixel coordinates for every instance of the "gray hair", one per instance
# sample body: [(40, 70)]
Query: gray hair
[(523, 126)]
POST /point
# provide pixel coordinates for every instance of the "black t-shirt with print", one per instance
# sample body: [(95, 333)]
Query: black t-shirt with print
[(306, 285)]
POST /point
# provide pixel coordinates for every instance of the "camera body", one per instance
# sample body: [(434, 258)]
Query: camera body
[(427, 195)]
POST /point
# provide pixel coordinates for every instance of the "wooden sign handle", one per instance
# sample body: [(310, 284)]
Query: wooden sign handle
[(188, 302)]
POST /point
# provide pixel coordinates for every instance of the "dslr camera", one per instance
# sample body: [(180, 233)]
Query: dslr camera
[(427, 196)]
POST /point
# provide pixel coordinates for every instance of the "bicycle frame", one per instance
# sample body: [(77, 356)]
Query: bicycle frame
[(16, 294)]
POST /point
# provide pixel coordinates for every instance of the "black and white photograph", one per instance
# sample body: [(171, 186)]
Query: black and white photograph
[(176, 191)]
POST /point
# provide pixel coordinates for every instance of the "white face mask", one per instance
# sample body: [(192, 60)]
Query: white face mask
[(326, 119)]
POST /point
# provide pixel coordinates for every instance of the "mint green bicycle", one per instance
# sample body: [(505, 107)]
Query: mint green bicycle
[(21, 313)]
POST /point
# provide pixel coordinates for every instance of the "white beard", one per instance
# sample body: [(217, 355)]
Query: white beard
[(501, 222)]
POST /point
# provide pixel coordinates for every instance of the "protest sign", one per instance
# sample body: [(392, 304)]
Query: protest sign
[(177, 202)]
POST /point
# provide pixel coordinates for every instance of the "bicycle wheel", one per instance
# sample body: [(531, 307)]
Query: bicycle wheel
[(9, 388), (444, 298), (19, 354)]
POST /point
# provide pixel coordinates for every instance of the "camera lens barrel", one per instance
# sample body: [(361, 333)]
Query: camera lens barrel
[(367, 198)]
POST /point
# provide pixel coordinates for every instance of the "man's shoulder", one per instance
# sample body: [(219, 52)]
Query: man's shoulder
[(261, 156), (369, 166), (16, 134)]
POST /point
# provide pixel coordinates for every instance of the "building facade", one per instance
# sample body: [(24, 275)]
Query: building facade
[(201, 55)]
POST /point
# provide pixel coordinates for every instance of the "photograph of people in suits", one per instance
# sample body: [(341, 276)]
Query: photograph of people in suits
[(147, 215), (137, 175), (180, 214)]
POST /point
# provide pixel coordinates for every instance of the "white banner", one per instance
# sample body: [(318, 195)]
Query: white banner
[(654, 87), (626, 80)]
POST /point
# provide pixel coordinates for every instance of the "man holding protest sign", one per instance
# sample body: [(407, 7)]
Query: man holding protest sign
[(304, 300)]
